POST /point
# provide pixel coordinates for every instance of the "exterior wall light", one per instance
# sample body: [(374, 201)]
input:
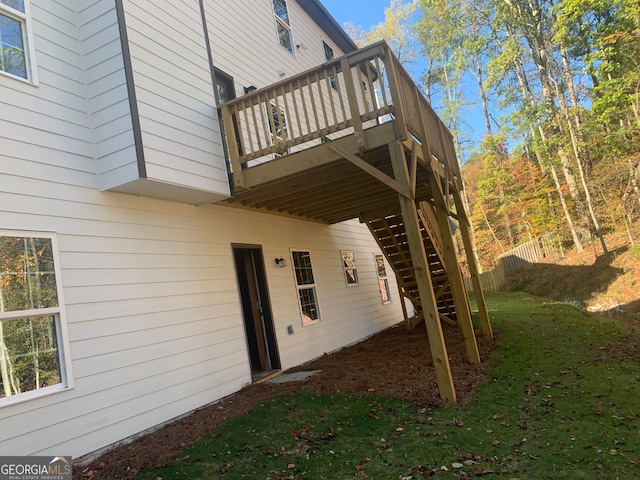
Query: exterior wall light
[(281, 262)]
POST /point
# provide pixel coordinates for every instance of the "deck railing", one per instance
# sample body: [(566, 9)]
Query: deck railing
[(342, 97)]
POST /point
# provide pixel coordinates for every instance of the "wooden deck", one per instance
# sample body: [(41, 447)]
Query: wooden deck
[(355, 138)]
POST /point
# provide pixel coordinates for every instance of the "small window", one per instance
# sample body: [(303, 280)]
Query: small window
[(283, 25), (31, 324), (328, 55), (383, 282), (349, 267), (225, 89), (14, 54), (305, 282)]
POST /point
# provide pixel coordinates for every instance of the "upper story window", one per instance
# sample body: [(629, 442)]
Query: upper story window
[(328, 51), (225, 89), (32, 360), (328, 55), (283, 25), (14, 26)]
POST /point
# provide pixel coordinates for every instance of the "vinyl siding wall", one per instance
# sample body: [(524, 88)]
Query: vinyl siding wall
[(152, 307), (257, 63), (175, 99), (107, 92)]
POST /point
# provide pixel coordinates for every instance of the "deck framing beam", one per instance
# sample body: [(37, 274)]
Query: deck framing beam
[(373, 171)]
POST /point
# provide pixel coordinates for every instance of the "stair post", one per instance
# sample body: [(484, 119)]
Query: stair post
[(423, 277), (465, 232), (460, 299)]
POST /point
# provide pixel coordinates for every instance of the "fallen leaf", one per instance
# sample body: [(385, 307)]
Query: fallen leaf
[(478, 472), (495, 443), (360, 467)]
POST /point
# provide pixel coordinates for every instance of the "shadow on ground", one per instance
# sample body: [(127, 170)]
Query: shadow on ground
[(573, 283), (608, 285)]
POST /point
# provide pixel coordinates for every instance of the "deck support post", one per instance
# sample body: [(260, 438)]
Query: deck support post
[(465, 232), (423, 278), (358, 130), (460, 298), (232, 145)]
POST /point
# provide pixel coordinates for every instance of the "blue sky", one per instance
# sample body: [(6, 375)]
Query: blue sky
[(361, 12), (367, 13)]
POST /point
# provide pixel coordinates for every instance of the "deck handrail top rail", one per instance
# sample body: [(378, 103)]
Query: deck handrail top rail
[(357, 56)]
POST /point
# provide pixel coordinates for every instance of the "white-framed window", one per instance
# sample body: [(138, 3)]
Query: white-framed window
[(383, 282), (283, 25), (349, 267), (305, 283), (33, 341), (16, 53)]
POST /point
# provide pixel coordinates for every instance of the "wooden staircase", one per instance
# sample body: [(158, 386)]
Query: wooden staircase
[(391, 236)]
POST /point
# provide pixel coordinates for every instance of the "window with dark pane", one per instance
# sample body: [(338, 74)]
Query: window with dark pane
[(12, 51), (283, 24), (328, 55)]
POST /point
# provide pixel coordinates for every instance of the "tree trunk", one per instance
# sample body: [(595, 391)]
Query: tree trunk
[(574, 234), (529, 98), (9, 382), (493, 233), (467, 212), (478, 73), (634, 174), (576, 136)]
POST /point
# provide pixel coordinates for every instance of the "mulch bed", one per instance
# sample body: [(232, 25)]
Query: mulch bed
[(393, 363)]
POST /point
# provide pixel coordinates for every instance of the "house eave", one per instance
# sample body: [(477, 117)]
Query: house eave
[(325, 20)]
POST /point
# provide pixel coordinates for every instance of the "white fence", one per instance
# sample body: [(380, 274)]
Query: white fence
[(516, 259)]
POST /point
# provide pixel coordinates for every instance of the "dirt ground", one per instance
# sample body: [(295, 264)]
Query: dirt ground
[(394, 363)]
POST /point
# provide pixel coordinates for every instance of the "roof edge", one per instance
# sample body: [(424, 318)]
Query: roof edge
[(325, 20)]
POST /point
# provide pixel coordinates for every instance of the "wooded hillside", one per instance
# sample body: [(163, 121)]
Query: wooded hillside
[(543, 97)]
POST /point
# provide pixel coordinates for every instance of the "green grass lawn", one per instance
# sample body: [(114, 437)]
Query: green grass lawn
[(557, 403)]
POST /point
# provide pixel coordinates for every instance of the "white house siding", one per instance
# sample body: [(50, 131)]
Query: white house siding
[(107, 92), (175, 99), (154, 317), (153, 312), (257, 63)]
